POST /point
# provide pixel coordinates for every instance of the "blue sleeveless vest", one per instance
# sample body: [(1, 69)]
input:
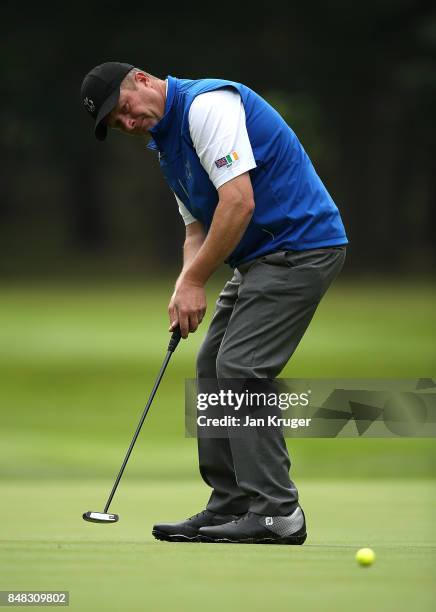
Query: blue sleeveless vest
[(293, 210)]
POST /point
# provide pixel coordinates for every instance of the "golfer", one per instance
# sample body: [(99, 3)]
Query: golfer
[(250, 197)]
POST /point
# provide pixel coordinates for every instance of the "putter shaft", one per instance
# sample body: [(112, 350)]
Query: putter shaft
[(175, 339)]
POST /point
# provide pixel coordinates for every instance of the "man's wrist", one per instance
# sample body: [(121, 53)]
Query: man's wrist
[(192, 277)]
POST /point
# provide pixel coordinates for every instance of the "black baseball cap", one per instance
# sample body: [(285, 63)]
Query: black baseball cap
[(100, 92)]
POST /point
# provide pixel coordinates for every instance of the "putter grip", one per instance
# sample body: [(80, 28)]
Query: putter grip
[(175, 339)]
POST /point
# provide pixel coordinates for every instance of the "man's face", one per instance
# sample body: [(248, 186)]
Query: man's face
[(139, 109)]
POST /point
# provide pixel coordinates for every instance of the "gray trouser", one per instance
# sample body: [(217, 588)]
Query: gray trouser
[(260, 317)]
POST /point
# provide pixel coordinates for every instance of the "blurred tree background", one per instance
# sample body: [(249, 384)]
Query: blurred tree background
[(356, 81)]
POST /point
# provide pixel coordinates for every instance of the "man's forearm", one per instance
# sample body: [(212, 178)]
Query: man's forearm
[(190, 249), (232, 215), (228, 226)]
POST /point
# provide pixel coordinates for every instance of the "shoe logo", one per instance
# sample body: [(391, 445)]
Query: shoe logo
[(269, 520)]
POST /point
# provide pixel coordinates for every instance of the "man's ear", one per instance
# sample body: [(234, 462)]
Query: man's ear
[(141, 77)]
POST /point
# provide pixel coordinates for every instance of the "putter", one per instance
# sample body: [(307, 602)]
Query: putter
[(105, 517)]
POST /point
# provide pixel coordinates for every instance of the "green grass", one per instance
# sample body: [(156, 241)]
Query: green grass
[(76, 366), (46, 545), (359, 330)]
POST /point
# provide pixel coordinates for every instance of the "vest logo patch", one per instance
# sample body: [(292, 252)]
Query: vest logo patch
[(227, 161)]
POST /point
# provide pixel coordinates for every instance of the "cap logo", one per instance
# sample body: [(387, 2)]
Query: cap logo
[(89, 104)]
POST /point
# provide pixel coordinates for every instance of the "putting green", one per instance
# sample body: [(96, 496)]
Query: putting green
[(45, 544), (76, 366)]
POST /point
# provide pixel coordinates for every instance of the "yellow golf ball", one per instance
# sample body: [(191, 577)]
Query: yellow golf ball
[(365, 556)]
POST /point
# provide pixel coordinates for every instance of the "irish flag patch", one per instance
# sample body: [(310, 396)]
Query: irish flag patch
[(227, 161)]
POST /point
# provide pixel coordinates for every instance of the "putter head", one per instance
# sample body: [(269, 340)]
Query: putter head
[(100, 517)]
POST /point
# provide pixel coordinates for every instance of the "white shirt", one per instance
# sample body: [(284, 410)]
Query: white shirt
[(219, 135)]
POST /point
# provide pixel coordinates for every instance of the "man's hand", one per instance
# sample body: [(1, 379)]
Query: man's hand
[(187, 306)]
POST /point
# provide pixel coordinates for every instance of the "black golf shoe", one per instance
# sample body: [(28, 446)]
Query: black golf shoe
[(187, 531), (257, 529)]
